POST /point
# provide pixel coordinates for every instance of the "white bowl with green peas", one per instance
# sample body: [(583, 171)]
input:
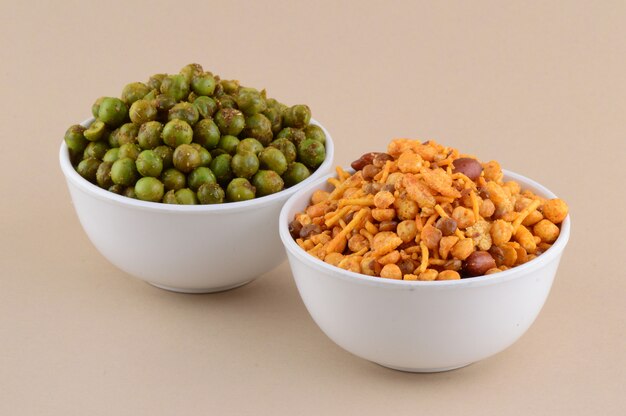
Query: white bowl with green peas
[(185, 248)]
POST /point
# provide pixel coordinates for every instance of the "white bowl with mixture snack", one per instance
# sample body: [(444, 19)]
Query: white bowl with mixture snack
[(424, 260)]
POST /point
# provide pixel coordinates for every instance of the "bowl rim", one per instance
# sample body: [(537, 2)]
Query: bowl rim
[(95, 191), (357, 278)]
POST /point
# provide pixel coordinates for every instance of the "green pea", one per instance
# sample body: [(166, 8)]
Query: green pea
[(129, 150), (211, 193), (75, 140), (164, 104), (103, 175), (244, 164), (190, 71), (116, 189), (293, 135), (315, 132), (226, 101), (186, 158), (127, 133), (287, 148), (220, 166), (155, 81), (96, 106), (205, 155), (124, 172), (173, 179), (200, 176), (311, 152), (229, 144), (250, 145), (258, 127), (267, 182), (149, 135), (134, 91), (113, 138), (249, 101), (129, 192), (142, 111), (239, 189), (206, 133), (176, 86), (273, 159), (206, 106), (149, 189), (203, 84), (96, 150), (111, 155), (273, 103), (275, 118), (166, 154), (297, 116), (88, 169), (184, 111), (296, 173), (216, 152), (177, 132), (230, 121), (170, 197), (230, 86), (149, 164), (95, 131), (113, 111), (186, 196)]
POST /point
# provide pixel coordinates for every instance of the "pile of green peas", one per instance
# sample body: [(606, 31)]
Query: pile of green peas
[(193, 138)]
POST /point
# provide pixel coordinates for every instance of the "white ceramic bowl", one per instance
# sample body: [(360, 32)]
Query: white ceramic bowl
[(421, 326), (191, 249)]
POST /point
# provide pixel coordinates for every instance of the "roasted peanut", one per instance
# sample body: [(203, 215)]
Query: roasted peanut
[(369, 171), (468, 167), (431, 237), (363, 161), (478, 263)]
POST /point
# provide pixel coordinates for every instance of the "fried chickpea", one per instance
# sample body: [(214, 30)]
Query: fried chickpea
[(501, 232), (383, 214), (487, 208), (333, 258), (383, 199), (448, 275), (431, 237), (428, 275), (547, 231), (370, 267), (351, 263), (532, 218), (406, 209), (407, 230), (391, 271), (390, 258), (525, 239), (492, 171), (464, 217), (555, 210), (357, 243), (319, 196), (463, 249)]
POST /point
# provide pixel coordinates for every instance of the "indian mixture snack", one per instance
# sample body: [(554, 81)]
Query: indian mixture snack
[(192, 138), (423, 211)]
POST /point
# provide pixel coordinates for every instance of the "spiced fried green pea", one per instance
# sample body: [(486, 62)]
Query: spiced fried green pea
[(96, 150), (116, 189), (142, 111), (190, 71), (259, 127), (96, 106), (129, 192), (216, 152), (311, 152), (203, 84), (205, 155), (124, 172), (155, 81), (228, 144), (166, 154), (95, 131), (292, 134), (176, 86), (192, 97), (151, 96), (200, 176), (184, 111), (177, 132), (129, 150), (250, 145), (230, 121), (163, 104), (296, 173), (88, 168), (127, 133), (226, 101), (186, 196), (250, 101), (206, 106), (149, 163), (230, 86), (134, 91), (111, 155), (220, 166), (75, 140), (267, 182), (170, 197), (149, 135), (206, 133), (113, 111), (273, 103), (103, 175), (297, 116), (240, 189), (186, 158), (244, 164), (149, 189), (315, 132), (273, 159), (287, 148), (173, 179), (211, 193), (113, 138), (273, 115)]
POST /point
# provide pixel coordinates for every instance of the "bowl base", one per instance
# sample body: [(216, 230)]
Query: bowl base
[(199, 291), (424, 370)]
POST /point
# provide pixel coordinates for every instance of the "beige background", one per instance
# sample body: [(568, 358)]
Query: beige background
[(540, 86)]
